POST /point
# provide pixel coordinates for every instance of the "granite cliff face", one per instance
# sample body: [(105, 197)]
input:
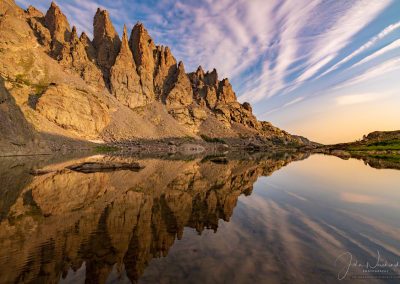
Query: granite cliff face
[(114, 89)]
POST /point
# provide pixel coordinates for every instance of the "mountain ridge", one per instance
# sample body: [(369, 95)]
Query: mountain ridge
[(111, 89)]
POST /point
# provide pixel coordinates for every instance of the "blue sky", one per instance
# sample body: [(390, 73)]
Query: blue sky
[(325, 69)]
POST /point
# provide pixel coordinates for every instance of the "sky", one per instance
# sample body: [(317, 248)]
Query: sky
[(325, 69)]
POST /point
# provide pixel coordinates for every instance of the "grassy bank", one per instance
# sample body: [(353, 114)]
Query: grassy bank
[(377, 146)]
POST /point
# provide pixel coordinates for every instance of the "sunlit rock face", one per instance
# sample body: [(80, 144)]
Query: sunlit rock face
[(143, 48), (59, 28), (106, 42), (65, 220)]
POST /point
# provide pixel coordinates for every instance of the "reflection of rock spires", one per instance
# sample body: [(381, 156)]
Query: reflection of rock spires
[(118, 220)]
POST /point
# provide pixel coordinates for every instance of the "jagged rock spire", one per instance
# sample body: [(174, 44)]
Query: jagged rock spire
[(125, 44), (142, 46), (143, 49), (181, 93), (74, 34), (33, 12), (164, 70), (200, 72), (225, 92), (124, 80), (211, 78), (103, 28), (106, 42), (87, 43), (57, 24)]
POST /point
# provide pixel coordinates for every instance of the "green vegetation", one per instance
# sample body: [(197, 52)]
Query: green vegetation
[(38, 88), (20, 79), (395, 158), (379, 145), (190, 138), (105, 149), (212, 140)]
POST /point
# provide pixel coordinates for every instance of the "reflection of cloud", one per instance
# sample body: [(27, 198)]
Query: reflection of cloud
[(359, 198)]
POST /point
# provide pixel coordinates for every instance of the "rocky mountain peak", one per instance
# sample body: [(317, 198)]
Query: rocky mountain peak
[(125, 44), (143, 49), (181, 93), (200, 72), (164, 56), (84, 38), (181, 67), (142, 46), (33, 12), (74, 34), (165, 68), (103, 28), (8, 7), (106, 42), (211, 78), (124, 80), (247, 106), (57, 23), (87, 43), (226, 93)]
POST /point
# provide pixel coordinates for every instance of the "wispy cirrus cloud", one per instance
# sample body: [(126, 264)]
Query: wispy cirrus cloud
[(371, 73), (395, 45), (389, 29)]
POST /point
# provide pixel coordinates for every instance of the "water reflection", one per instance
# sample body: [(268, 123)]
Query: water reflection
[(101, 227), (123, 226)]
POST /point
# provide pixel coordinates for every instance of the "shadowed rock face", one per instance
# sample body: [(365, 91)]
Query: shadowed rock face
[(65, 220), (15, 130)]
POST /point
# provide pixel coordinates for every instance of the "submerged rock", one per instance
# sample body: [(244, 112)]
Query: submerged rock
[(92, 167)]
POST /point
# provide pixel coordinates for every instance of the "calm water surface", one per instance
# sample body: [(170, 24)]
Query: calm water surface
[(281, 218)]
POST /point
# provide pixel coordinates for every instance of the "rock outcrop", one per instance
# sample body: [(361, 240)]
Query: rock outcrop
[(205, 86), (88, 118), (75, 54)]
